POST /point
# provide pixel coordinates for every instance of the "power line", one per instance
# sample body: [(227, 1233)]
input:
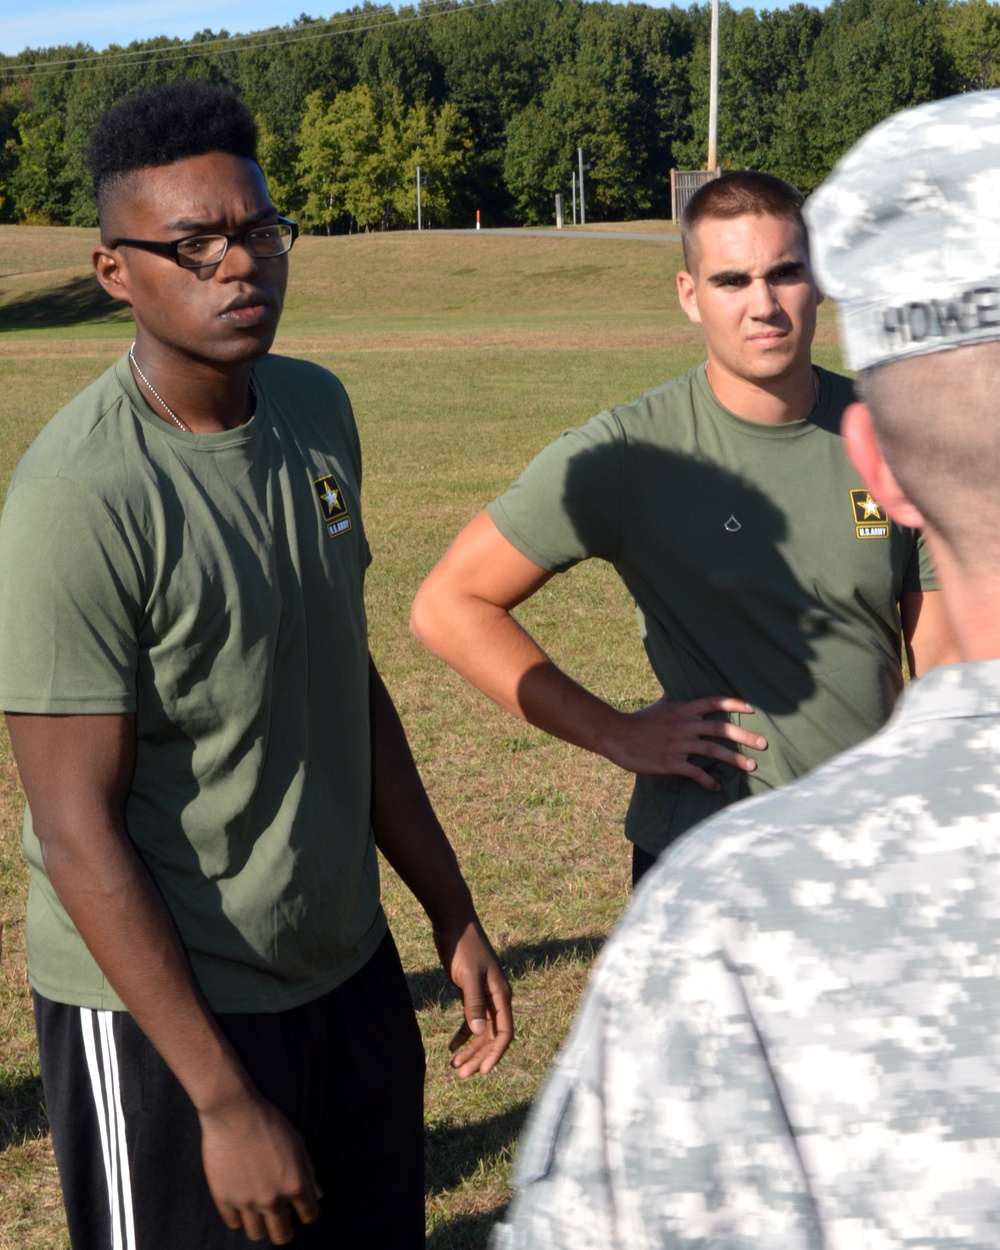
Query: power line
[(240, 43), (129, 54)]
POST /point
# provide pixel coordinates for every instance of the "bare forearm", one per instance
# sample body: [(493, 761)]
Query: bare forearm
[(490, 649), (256, 1165), (463, 614), (77, 771), (411, 838), (111, 899)]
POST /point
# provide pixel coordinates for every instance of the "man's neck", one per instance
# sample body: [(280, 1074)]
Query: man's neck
[(771, 402), (971, 598), (200, 401)]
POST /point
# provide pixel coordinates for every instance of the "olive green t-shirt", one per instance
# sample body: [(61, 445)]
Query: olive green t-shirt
[(213, 586), (759, 565)]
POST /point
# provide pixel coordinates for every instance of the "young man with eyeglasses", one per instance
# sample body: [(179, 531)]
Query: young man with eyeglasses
[(209, 754)]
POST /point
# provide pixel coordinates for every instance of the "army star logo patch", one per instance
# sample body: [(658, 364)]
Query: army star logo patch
[(869, 519), (332, 505)]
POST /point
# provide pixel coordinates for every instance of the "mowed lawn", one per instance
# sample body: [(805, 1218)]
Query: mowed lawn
[(464, 355)]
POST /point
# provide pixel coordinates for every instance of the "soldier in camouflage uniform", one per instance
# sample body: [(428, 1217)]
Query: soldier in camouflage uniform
[(794, 1037)]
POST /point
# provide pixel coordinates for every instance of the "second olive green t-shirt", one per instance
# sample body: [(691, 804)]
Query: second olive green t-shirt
[(760, 568)]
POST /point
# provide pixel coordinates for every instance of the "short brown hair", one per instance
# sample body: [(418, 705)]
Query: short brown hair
[(741, 193)]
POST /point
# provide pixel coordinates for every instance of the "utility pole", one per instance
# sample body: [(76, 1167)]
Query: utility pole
[(579, 153), (418, 198), (713, 91), (572, 174)]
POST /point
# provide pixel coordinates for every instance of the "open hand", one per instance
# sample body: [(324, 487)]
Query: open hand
[(488, 1027), (661, 738)]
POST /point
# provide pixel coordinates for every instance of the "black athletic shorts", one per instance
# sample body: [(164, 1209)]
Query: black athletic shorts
[(347, 1070), (642, 861)]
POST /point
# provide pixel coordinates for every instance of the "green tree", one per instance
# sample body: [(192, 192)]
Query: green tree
[(278, 156), (358, 160), (763, 58), (542, 144), (338, 155), (40, 184), (872, 58), (637, 58), (440, 144), (275, 75), (496, 59), (972, 43), (12, 103), (395, 57)]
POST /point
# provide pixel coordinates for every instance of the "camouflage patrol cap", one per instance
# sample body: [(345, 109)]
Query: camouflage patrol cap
[(905, 232)]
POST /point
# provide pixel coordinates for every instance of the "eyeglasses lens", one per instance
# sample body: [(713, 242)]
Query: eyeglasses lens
[(269, 240), (209, 249)]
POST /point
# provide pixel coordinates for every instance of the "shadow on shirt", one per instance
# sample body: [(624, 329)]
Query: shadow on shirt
[(700, 550), (721, 610)]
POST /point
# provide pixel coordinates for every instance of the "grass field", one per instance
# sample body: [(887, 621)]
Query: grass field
[(464, 355)]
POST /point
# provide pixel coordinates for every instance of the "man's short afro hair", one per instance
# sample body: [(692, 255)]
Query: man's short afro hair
[(167, 123)]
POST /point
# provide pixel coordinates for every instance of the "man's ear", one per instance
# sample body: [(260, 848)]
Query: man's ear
[(865, 453), (687, 296), (111, 274)]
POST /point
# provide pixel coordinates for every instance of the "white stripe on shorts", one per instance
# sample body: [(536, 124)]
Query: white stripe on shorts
[(102, 1063)]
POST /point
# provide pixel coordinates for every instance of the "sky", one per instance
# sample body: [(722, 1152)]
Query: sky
[(48, 23)]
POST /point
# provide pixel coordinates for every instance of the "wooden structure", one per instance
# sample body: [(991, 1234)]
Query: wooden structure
[(683, 184)]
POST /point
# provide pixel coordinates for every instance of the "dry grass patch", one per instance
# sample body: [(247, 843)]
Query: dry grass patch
[(32, 1202), (31, 1213)]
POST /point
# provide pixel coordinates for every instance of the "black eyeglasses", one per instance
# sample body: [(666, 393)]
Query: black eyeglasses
[(197, 251)]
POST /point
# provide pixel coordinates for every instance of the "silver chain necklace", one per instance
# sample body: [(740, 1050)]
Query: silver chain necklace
[(156, 395), (163, 403)]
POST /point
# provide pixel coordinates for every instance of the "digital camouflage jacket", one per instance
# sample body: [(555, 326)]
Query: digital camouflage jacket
[(793, 1039)]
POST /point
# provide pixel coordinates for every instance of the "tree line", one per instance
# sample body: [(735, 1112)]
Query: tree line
[(492, 98)]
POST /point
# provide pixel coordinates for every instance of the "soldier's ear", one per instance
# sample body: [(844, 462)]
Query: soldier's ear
[(865, 453), (687, 294), (111, 272)]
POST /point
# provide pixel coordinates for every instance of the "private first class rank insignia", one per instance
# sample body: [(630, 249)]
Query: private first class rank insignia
[(869, 519), (333, 505)]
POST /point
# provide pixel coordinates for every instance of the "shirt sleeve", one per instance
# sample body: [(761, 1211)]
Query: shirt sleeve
[(70, 603), (566, 506), (919, 574)]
